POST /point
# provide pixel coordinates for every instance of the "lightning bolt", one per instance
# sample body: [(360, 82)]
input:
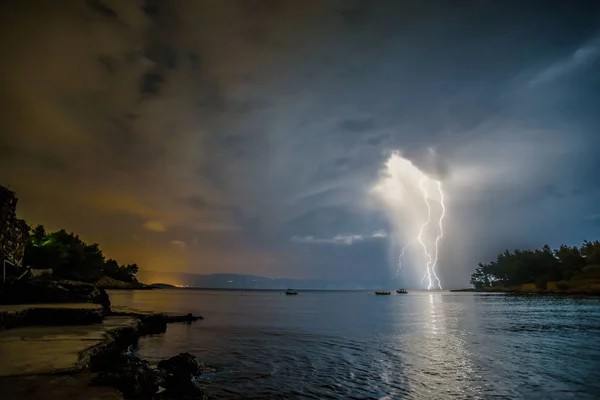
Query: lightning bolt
[(431, 260), (391, 188), (420, 237), (400, 261), (441, 235)]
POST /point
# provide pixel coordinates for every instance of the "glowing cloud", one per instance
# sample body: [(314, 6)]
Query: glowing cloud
[(155, 226), (337, 239), (178, 243), (409, 197)]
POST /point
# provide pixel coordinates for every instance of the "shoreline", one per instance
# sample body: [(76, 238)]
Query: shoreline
[(543, 292), (81, 350)]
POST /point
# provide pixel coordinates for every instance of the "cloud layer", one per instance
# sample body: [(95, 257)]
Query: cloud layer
[(248, 130)]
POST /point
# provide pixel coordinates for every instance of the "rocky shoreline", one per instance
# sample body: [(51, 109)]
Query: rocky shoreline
[(113, 284), (115, 366), (109, 363)]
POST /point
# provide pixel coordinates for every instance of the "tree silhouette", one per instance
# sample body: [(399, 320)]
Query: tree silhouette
[(539, 266), (72, 258)]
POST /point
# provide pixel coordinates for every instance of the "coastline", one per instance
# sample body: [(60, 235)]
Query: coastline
[(516, 291), (81, 350), (107, 283)]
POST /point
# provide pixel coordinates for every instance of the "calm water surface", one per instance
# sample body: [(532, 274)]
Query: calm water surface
[(355, 345)]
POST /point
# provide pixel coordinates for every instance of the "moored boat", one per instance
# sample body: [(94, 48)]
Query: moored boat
[(291, 292), (401, 291), (382, 293)]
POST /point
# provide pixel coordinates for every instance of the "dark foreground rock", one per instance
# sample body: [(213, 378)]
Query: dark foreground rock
[(188, 319), (108, 358), (179, 375), (157, 323), (76, 386), (136, 379), (51, 291), (50, 315), (117, 367), (133, 377), (153, 324)]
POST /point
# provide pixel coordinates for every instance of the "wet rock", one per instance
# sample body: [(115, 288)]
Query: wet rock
[(188, 393), (104, 301), (153, 324), (108, 353), (188, 319), (132, 376), (183, 364), (179, 377)]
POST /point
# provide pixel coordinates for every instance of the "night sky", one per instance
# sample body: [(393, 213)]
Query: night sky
[(245, 136)]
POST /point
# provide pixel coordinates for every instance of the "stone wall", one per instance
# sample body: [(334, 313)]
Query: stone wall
[(13, 231)]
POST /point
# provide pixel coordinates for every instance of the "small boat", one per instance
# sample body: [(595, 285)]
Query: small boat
[(401, 291), (291, 292), (383, 293)]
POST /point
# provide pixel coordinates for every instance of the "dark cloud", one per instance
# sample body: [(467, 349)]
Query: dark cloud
[(377, 140), (194, 60), (108, 62), (151, 83), (237, 125), (198, 202), (102, 9), (162, 55), (356, 13), (357, 125)]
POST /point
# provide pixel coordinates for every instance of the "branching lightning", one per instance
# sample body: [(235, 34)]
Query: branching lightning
[(400, 261), (441, 234), (420, 237), (432, 259), (404, 188)]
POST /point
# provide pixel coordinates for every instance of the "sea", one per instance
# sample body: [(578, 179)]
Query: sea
[(356, 345)]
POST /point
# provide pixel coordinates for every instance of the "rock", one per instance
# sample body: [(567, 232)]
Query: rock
[(109, 283), (118, 368), (178, 377), (49, 291), (132, 376), (54, 315), (107, 354), (190, 393), (153, 324), (104, 301), (189, 318), (183, 364)]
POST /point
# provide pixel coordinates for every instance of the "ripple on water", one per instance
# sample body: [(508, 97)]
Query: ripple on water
[(352, 346)]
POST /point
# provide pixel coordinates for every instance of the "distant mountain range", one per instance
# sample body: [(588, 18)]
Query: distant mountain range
[(240, 281)]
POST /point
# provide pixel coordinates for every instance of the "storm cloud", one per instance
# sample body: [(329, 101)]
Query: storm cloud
[(246, 136)]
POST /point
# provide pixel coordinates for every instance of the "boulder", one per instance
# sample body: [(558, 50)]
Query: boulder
[(188, 318), (153, 324), (183, 364), (132, 376), (104, 300), (178, 375)]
